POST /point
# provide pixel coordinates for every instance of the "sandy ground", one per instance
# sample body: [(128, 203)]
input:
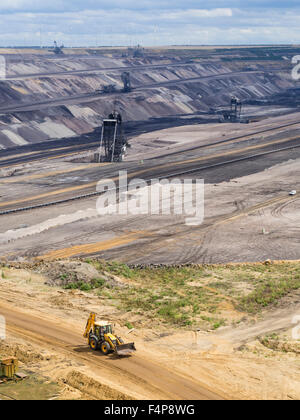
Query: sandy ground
[(46, 334)]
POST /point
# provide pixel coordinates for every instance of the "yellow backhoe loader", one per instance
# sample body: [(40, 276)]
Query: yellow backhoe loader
[(100, 336)]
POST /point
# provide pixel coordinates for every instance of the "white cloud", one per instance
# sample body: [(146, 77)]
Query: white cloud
[(155, 22), (197, 13)]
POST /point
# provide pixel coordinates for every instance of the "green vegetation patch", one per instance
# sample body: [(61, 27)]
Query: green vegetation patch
[(269, 292), (196, 295), (86, 287)]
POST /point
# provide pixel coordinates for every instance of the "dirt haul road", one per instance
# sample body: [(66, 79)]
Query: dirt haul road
[(155, 381)]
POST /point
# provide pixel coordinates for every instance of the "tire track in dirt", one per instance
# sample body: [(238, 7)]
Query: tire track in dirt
[(137, 253), (278, 210)]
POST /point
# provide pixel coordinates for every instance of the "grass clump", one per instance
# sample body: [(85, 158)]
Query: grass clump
[(268, 293), (86, 287)]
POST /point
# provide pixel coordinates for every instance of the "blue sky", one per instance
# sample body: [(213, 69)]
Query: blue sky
[(149, 22)]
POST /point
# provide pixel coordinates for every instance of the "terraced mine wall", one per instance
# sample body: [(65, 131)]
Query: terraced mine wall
[(70, 105)]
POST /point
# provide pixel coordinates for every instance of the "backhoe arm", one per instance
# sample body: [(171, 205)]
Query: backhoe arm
[(90, 324)]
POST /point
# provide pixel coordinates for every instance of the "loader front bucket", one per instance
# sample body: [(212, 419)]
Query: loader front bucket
[(125, 349)]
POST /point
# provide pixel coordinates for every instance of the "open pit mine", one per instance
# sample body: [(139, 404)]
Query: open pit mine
[(179, 306)]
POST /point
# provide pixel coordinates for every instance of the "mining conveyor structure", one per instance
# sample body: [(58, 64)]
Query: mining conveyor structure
[(235, 111), (126, 81), (113, 144)]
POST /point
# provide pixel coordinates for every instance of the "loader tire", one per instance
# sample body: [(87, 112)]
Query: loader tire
[(94, 344), (105, 348)]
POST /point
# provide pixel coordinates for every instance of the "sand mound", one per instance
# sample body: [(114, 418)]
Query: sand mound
[(62, 273), (94, 388), (282, 346), (65, 272), (24, 353)]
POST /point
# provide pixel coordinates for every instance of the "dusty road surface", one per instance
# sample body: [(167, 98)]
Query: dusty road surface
[(45, 324), (151, 379)]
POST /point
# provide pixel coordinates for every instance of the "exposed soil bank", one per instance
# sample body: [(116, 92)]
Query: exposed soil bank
[(163, 87)]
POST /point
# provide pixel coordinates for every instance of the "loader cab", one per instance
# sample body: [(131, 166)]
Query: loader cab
[(102, 328), (100, 336)]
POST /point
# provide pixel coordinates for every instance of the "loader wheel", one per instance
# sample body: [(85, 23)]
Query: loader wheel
[(105, 348), (94, 344)]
